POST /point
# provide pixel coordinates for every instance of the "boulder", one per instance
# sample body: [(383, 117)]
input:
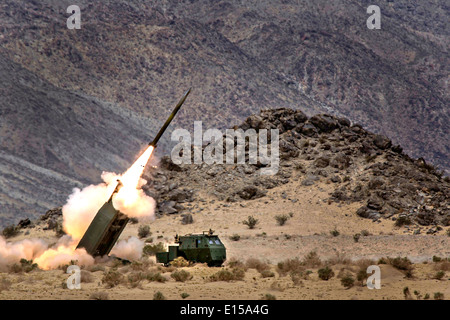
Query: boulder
[(382, 142), (324, 123), (251, 192)]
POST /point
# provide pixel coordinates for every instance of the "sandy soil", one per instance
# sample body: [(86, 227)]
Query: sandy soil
[(309, 229)]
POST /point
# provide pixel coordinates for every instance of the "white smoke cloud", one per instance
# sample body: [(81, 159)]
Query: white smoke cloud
[(26, 249), (130, 249), (79, 211)]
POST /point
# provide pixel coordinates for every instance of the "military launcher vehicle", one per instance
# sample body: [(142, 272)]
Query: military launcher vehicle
[(108, 223), (203, 248)]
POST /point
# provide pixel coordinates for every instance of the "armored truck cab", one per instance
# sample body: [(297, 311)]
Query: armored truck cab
[(203, 248)]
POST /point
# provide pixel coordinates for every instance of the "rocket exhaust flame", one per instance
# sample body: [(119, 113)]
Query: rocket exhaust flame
[(80, 210)]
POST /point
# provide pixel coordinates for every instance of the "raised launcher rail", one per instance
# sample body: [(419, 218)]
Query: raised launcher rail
[(104, 229), (108, 224)]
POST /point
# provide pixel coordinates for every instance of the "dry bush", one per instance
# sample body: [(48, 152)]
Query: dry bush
[(152, 249), (290, 266), (144, 231), (23, 266), (179, 262), (134, 279), (268, 296), (254, 263), (348, 281), (403, 264), (227, 275), (181, 275), (235, 263), (281, 219), (112, 278), (99, 295), (364, 263), (251, 222), (155, 276), (158, 296), (312, 260), (10, 231), (326, 273), (141, 265), (339, 258), (439, 275), (442, 266)]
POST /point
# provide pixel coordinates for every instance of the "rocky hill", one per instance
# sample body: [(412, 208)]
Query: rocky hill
[(360, 166)]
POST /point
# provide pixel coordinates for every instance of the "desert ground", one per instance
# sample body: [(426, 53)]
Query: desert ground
[(316, 234)]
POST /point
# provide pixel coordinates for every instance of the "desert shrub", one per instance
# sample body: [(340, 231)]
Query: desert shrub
[(179, 262), (235, 237), (152, 249), (402, 264), (339, 258), (24, 265), (10, 231), (184, 295), (158, 296), (443, 265), (297, 277), (312, 260), (140, 265), (407, 294), (356, 237), (235, 263), (438, 296), (268, 296), (437, 259), (290, 265), (112, 278), (439, 275), (334, 232), (348, 281), (144, 231), (361, 276), (325, 273), (99, 295), (134, 279), (426, 296), (281, 219), (251, 222), (227, 275), (155, 276), (257, 264), (181, 275), (365, 233)]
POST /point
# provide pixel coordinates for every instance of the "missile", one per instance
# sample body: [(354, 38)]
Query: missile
[(172, 115)]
